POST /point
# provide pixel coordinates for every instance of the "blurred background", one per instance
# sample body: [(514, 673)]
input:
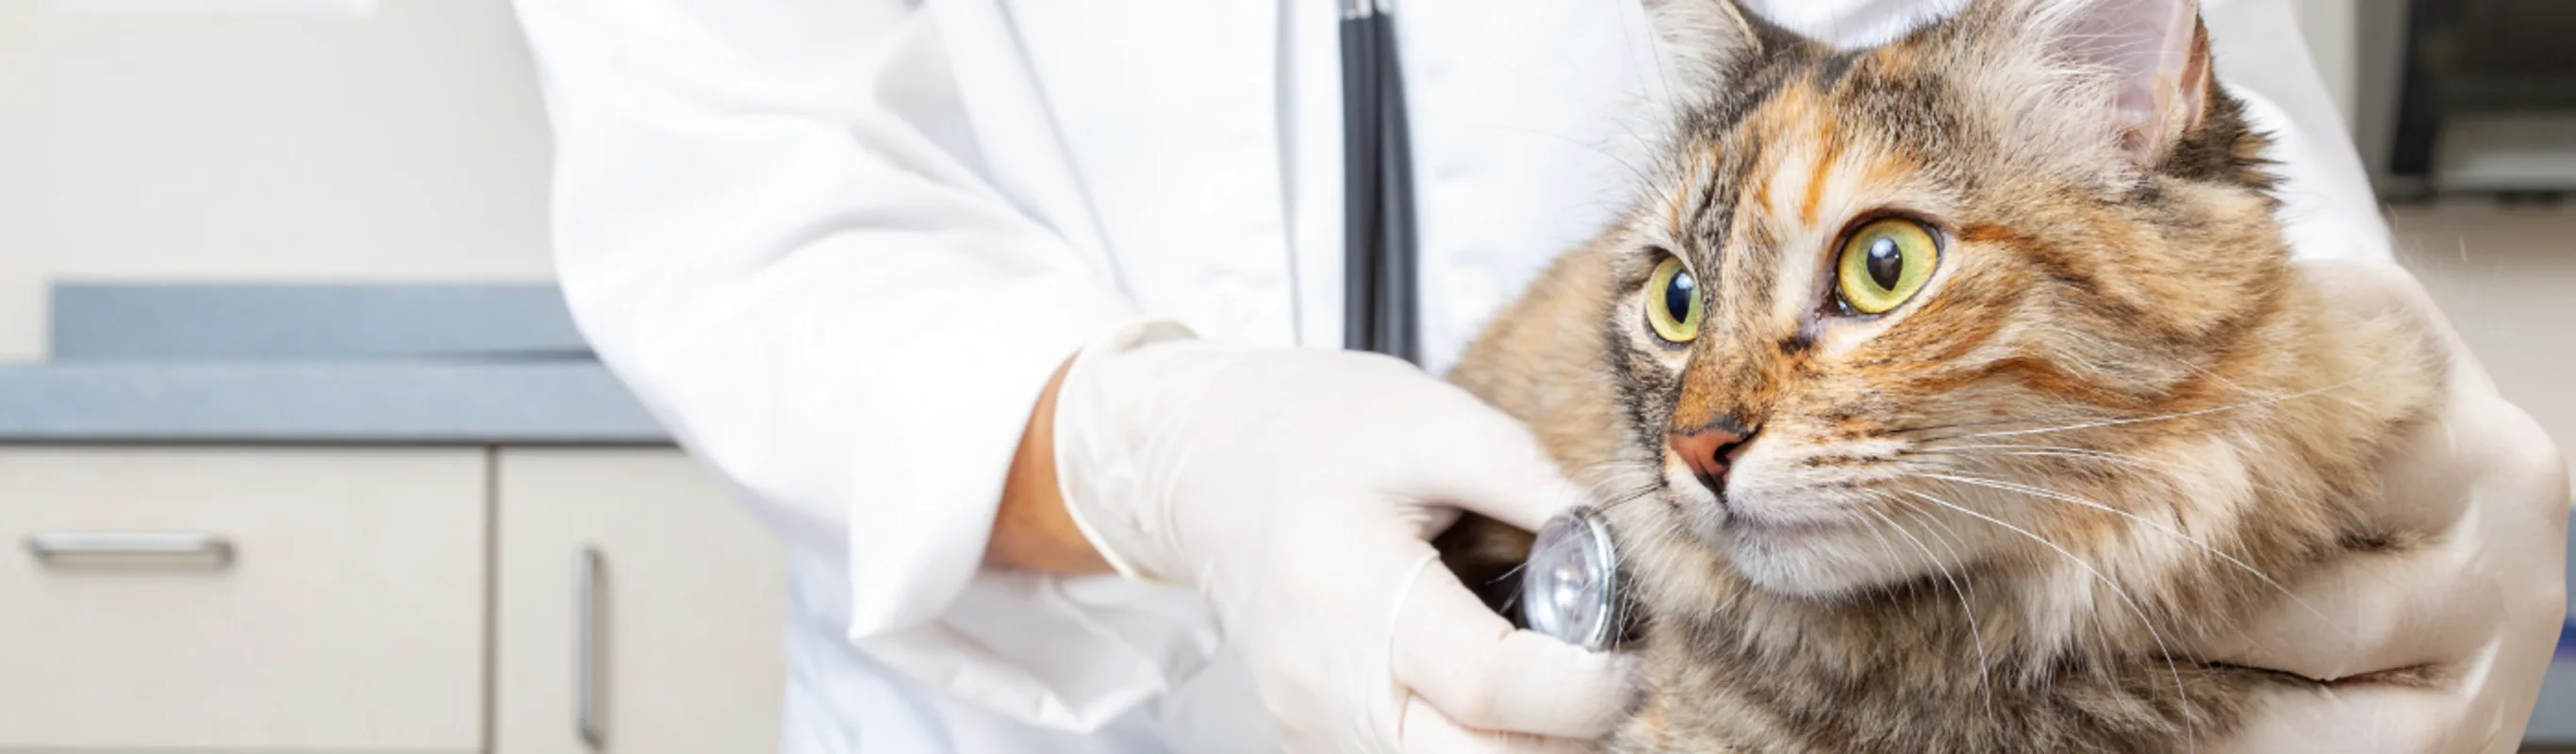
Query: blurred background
[(273, 292)]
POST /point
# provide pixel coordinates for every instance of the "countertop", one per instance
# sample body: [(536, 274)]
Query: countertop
[(399, 363)]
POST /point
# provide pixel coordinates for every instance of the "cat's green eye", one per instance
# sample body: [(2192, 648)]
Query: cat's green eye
[(1673, 302), (1884, 263)]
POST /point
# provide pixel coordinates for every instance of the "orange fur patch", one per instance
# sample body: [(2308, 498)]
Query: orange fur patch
[(1761, 180), (2053, 312), (1896, 62), (1885, 170), (1699, 403), (1673, 211), (1831, 150)]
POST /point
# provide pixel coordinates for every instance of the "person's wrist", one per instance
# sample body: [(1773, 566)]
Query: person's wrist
[(1031, 528), (1104, 412)]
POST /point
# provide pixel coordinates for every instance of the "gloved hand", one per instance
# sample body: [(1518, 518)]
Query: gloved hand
[(1296, 489), (2479, 605)]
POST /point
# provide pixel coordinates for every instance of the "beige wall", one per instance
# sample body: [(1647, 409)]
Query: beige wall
[(403, 143), (2331, 29), (409, 143), (2504, 279)]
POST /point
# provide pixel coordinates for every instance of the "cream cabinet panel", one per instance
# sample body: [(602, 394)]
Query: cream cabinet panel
[(632, 567), (268, 599)]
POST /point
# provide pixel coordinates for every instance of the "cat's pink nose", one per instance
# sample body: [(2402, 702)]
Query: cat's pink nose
[(1707, 450)]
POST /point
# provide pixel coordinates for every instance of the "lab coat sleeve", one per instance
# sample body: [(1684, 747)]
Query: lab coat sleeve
[(769, 223), (2327, 208)]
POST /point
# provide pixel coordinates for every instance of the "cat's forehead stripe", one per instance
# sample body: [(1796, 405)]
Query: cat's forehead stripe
[(1698, 190), (1829, 146), (1886, 169), (1715, 180), (1673, 207), (1761, 175)]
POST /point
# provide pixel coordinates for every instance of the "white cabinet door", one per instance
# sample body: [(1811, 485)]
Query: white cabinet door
[(633, 566), (242, 599)]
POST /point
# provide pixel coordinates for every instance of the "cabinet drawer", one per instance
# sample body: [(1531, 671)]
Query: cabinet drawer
[(640, 608), (284, 599)]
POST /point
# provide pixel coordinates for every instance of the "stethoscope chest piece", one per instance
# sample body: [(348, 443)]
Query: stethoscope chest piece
[(1570, 586)]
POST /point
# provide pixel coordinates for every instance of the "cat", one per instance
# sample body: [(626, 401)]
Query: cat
[(1940, 393)]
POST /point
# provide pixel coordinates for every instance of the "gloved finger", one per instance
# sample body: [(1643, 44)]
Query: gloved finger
[(2477, 712), (1476, 458), (2434, 472), (2431, 465), (2372, 613), (1460, 657), (2390, 719), (2492, 569), (2382, 289), (1426, 731)]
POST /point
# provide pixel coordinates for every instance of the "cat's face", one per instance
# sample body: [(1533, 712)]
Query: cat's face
[(1885, 290)]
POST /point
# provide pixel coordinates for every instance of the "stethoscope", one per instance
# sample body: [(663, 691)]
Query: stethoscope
[(1569, 587), (1378, 257)]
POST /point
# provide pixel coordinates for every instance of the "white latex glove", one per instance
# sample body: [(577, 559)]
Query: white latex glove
[(1296, 488), (2481, 603)]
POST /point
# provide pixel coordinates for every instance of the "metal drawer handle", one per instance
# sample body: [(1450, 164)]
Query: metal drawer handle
[(52, 546), (585, 646)]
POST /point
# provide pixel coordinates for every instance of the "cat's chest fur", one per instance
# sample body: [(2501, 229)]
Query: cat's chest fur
[(1907, 680), (1969, 662), (1951, 395)]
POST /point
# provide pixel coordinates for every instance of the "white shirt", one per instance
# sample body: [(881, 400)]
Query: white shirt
[(838, 246)]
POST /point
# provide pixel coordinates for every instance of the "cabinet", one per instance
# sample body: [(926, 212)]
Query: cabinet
[(421, 600), (278, 599), (631, 566)]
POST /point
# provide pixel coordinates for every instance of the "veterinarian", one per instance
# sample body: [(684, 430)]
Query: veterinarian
[(890, 268)]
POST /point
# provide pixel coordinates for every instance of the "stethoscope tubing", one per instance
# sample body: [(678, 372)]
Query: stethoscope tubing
[(1381, 270), (1573, 579)]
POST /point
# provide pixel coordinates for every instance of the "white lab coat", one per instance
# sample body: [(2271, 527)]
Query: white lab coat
[(838, 246)]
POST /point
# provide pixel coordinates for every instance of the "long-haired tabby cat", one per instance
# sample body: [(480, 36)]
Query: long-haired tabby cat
[(1940, 394)]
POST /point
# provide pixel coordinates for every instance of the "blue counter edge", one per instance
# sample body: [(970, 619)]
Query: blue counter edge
[(239, 322), (555, 401)]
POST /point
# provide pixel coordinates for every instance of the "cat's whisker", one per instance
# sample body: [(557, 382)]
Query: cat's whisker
[(2176, 415), (1953, 534), (2190, 738), (1593, 492), (1886, 548), (1948, 538), (2232, 625), (2222, 379), (2122, 459), (2159, 526), (2035, 423), (1633, 495), (1966, 577), (2229, 622), (2053, 451), (1987, 423), (1976, 634)]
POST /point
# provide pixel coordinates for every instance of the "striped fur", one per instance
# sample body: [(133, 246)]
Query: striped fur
[(1991, 519)]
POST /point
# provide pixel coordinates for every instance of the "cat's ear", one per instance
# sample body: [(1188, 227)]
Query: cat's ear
[(2148, 58), (1706, 40)]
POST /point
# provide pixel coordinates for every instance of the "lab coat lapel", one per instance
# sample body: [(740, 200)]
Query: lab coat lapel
[(1024, 152), (1164, 115)]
